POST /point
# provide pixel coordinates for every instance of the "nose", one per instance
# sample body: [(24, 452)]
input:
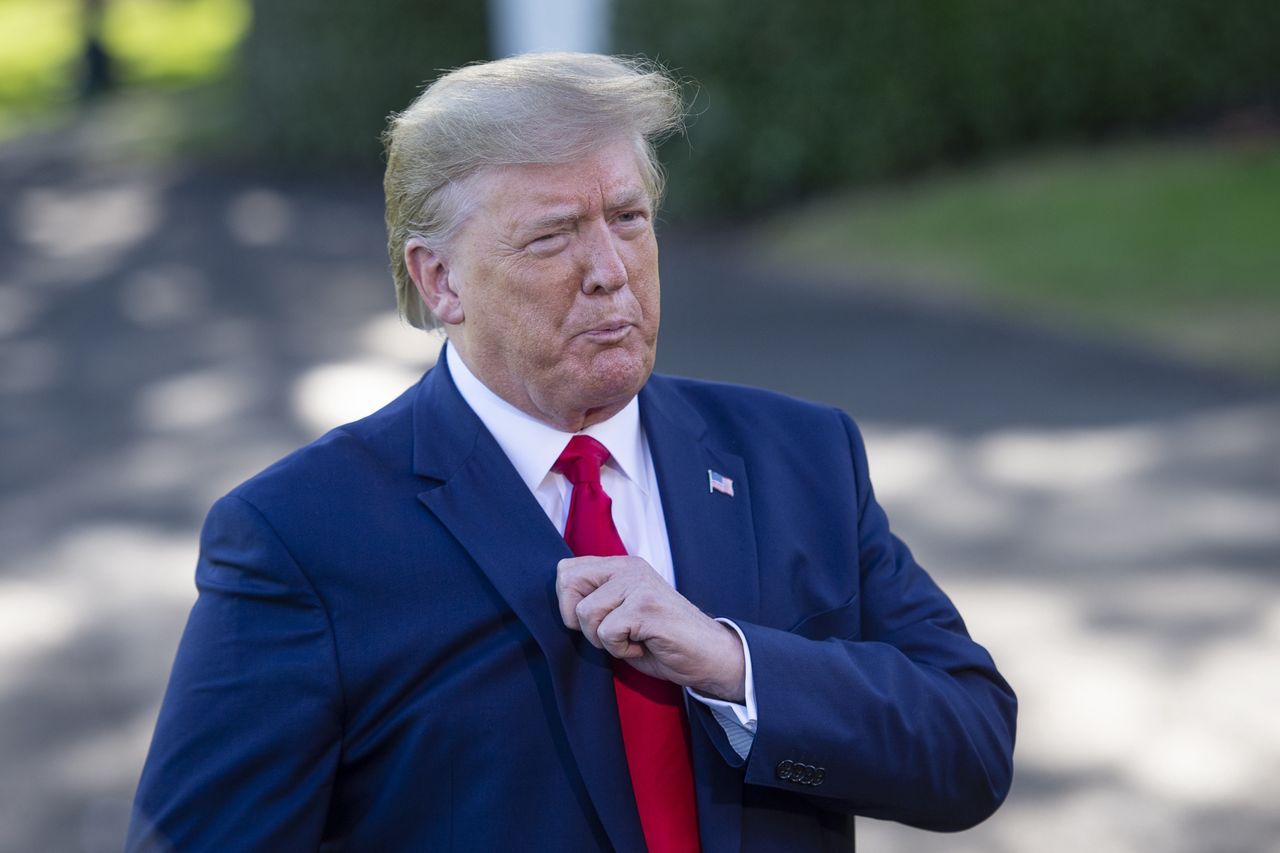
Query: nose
[(603, 268)]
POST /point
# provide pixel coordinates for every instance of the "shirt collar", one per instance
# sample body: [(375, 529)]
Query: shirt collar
[(533, 446)]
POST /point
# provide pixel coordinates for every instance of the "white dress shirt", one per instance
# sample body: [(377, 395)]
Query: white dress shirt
[(627, 477)]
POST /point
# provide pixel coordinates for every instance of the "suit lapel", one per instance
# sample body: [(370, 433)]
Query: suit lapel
[(712, 537), (480, 498), (713, 551)]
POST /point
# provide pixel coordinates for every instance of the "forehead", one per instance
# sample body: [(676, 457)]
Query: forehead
[(604, 178)]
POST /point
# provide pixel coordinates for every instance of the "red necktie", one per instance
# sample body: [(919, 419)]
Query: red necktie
[(655, 732)]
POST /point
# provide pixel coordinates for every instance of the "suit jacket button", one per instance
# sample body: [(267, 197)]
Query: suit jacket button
[(784, 770)]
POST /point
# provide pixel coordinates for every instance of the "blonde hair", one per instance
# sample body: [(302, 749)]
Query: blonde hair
[(538, 108)]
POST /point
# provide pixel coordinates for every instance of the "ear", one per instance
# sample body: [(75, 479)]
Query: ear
[(429, 270)]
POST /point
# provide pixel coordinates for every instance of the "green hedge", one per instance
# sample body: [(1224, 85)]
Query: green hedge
[(319, 79), (801, 97)]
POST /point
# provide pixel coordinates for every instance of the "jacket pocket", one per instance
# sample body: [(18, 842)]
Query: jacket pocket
[(843, 623)]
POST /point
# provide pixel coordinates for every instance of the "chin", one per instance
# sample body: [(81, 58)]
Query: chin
[(615, 377), (624, 368)]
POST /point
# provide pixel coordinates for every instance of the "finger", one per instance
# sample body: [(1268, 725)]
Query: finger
[(615, 635), (574, 582), (595, 608), (578, 577)]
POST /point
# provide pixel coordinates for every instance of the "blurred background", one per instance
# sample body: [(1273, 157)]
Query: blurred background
[(1032, 247)]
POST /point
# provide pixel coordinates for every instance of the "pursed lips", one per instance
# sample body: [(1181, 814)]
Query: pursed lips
[(610, 331)]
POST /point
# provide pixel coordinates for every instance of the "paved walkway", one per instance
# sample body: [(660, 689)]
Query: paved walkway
[(1108, 523)]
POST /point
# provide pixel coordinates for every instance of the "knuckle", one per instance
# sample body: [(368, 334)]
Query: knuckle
[(583, 611), (645, 604)]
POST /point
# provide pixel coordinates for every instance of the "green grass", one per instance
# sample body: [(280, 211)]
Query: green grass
[(1175, 244), (154, 43)]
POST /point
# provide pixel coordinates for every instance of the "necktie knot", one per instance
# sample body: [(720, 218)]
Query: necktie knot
[(581, 459)]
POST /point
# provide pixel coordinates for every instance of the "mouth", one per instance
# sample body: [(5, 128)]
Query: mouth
[(608, 332)]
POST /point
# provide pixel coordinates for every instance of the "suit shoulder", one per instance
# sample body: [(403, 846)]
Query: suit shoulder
[(339, 460), (744, 400), (755, 414)]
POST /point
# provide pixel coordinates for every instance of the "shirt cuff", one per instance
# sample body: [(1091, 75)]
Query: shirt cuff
[(737, 719)]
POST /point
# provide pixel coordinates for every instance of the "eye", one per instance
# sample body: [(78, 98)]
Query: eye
[(631, 217), (549, 243)]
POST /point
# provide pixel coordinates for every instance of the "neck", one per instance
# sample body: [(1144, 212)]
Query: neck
[(516, 395)]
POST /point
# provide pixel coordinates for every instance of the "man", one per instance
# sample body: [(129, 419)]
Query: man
[(545, 600)]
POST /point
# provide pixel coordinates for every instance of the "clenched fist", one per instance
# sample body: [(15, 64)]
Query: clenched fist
[(623, 606)]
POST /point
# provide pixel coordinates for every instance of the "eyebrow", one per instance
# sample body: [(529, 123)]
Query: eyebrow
[(628, 198), (561, 218), (555, 220)]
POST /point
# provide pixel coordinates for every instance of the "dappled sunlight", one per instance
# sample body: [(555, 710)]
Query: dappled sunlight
[(1221, 517), (913, 462), (337, 393), (1145, 669), (259, 217), (29, 365), (196, 400), (18, 307), (154, 344), (1122, 745), (1109, 499), (32, 618), (910, 461), (164, 295), (229, 339), (393, 357), (94, 762), (1172, 525), (86, 631), (389, 337), (81, 224), (333, 394), (1067, 460), (160, 465), (129, 582)]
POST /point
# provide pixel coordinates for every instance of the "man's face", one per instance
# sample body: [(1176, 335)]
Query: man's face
[(556, 270)]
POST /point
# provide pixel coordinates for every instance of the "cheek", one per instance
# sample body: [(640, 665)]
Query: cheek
[(653, 308), (641, 260), (647, 290), (544, 310)]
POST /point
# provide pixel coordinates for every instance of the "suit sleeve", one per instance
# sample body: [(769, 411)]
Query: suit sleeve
[(906, 720), (248, 737)]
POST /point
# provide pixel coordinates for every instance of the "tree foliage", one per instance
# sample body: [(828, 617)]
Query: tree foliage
[(320, 79), (801, 97)]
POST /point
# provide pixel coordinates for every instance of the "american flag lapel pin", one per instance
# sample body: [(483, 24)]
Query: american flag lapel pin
[(718, 482)]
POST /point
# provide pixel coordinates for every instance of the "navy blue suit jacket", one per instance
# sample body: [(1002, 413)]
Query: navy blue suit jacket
[(376, 660)]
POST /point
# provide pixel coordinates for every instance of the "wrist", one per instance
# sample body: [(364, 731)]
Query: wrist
[(729, 683)]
